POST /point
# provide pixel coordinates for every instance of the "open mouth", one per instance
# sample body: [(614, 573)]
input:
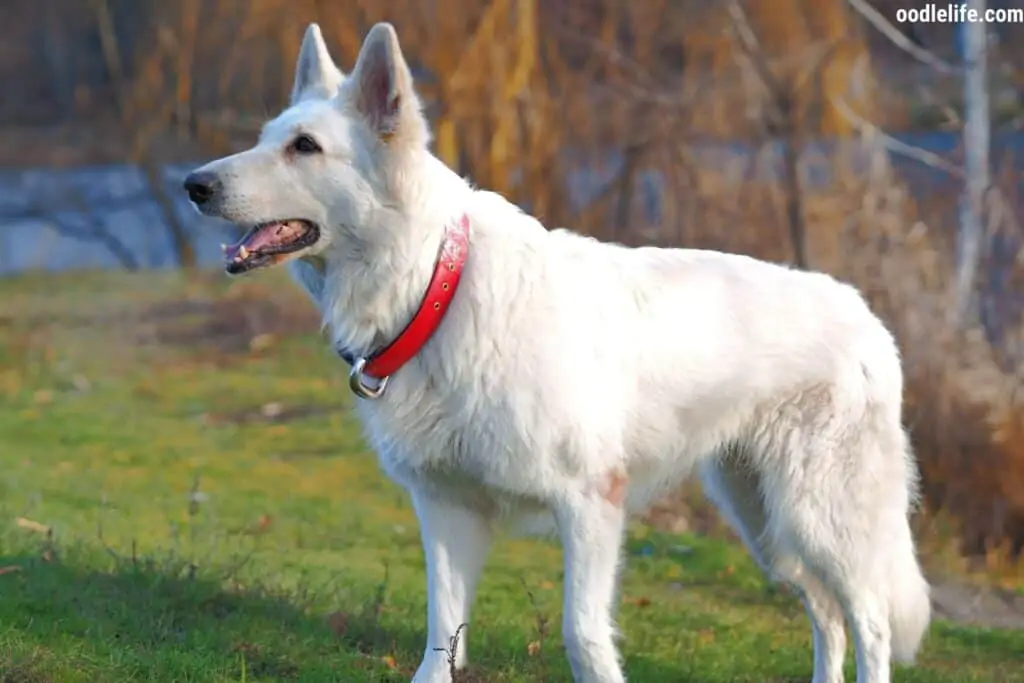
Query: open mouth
[(268, 244)]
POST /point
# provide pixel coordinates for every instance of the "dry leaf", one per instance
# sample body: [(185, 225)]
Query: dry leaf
[(261, 342), (260, 526), (533, 649), (642, 601), (9, 570), (547, 585), (338, 623), (272, 410), (31, 525), (389, 662)]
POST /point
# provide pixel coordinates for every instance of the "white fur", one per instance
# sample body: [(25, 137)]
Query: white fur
[(566, 366)]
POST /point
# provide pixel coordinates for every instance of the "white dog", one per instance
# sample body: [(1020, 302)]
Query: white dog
[(571, 381)]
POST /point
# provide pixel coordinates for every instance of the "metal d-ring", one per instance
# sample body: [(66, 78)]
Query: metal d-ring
[(357, 382)]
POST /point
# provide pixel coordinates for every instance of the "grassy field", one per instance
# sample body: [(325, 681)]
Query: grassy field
[(185, 497)]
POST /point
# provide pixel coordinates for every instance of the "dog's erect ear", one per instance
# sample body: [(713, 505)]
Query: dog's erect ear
[(316, 75), (384, 92)]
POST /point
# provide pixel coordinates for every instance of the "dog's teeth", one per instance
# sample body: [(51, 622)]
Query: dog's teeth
[(243, 253)]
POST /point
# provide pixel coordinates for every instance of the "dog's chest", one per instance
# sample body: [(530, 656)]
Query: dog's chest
[(439, 444)]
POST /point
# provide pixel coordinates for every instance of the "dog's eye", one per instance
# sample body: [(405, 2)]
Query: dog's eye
[(304, 144)]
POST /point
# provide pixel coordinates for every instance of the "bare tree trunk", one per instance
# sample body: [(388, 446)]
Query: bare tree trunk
[(56, 52), (180, 238), (977, 132), (783, 121), (792, 151)]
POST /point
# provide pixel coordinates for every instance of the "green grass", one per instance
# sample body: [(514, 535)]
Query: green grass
[(191, 538)]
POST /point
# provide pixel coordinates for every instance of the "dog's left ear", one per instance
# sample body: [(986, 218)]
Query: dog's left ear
[(384, 92), (316, 75)]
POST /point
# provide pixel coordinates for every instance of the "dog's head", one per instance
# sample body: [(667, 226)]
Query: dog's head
[(329, 167)]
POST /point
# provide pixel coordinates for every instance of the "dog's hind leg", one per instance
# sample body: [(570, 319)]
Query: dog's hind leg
[(734, 488), (591, 525), (840, 505), (455, 544), (827, 621)]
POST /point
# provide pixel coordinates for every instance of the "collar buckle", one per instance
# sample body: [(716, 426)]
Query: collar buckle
[(357, 382)]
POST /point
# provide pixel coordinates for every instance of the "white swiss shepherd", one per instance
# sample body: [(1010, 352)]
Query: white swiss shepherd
[(571, 381)]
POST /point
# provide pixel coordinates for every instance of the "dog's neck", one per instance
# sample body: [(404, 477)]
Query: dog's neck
[(368, 290)]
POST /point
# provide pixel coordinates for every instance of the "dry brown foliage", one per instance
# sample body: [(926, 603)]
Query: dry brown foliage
[(522, 92)]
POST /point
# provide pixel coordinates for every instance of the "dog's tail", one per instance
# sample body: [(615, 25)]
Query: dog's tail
[(910, 606)]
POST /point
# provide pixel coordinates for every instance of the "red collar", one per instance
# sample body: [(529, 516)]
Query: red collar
[(380, 365)]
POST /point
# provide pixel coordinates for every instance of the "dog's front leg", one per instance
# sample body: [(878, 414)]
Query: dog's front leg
[(591, 526), (455, 543)]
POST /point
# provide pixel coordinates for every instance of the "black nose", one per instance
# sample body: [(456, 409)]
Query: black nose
[(201, 186)]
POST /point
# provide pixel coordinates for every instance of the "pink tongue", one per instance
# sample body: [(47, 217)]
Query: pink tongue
[(265, 237)]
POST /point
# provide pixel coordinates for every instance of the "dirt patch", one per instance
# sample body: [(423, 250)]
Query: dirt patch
[(234, 324), (22, 672), (977, 605), (272, 413), (113, 316)]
